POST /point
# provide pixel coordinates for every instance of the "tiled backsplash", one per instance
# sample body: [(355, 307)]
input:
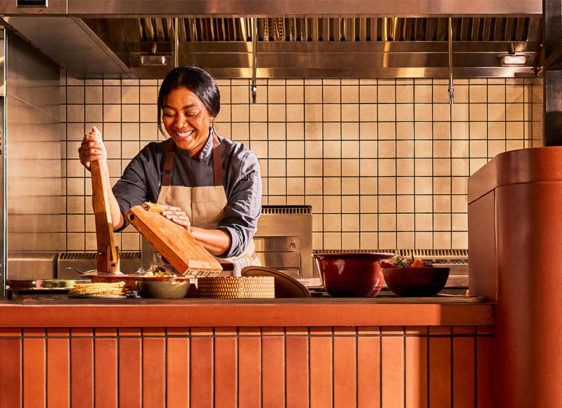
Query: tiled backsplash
[(383, 163)]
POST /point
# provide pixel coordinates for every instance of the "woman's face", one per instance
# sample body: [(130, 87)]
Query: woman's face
[(186, 119)]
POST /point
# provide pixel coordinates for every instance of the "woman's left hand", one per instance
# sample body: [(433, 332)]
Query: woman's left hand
[(177, 215)]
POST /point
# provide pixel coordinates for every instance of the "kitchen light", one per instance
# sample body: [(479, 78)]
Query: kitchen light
[(513, 59), (153, 60)]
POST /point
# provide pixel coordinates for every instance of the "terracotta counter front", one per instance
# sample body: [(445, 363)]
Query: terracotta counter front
[(391, 311), (316, 352)]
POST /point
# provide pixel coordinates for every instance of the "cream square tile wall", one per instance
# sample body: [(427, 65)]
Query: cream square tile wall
[(383, 163)]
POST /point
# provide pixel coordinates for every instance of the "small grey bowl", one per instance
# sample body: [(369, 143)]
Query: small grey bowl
[(163, 289)]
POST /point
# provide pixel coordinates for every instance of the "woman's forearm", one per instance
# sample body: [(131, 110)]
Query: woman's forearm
[(216, 241)]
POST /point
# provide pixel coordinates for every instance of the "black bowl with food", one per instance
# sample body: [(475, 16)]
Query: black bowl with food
[(413, 278)]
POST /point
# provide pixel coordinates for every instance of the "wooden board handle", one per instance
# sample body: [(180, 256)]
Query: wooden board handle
[(107, 251)]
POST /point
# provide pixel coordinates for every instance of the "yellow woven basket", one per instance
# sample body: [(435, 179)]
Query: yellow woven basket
[(228, 287)]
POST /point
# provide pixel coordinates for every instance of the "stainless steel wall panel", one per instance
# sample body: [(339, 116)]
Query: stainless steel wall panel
[(40, 187), (38, 223), (34, 242), (71, 43), (296, 7), (33, 81), (29, 168), (35, 124), (46, 204), (35, 187), (30, 266)]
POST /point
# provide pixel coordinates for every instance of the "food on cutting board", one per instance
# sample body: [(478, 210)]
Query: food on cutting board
[(398, 261)]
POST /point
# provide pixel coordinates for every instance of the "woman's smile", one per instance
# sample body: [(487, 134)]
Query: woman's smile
[(184, 134)]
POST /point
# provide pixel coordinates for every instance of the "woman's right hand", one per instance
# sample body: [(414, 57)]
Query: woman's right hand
[(177, 215), (92, 148)]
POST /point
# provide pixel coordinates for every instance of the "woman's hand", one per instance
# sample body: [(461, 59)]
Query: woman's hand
[(216, 241), (92, 148), (176, 215)]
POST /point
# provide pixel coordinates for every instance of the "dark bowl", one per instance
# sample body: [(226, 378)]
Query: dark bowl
[(347, 274), (419, 282)]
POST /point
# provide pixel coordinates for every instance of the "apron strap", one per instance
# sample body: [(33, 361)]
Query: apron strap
[(217, 161), (168, 163)]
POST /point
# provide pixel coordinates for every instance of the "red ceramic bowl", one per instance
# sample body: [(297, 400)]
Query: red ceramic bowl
[(419, 282), (347, 274)]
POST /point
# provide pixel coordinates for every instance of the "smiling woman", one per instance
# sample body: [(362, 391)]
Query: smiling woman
[(188, 102), (211, 185), (186, 120)]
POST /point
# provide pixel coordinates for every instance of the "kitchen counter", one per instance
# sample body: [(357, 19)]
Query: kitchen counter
[(315, 352), (380, 311)]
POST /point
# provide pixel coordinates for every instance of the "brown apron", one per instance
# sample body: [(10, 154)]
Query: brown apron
[(203, 205)]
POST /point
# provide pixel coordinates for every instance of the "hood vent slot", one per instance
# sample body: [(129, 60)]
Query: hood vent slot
[(338, 29), (427, 254), (70, 264), (286, 209), (92, 255)]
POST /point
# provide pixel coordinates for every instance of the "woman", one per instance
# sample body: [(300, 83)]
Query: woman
[(211, 185)]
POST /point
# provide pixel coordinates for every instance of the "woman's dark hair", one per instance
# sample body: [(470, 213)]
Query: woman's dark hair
[(195, 79)]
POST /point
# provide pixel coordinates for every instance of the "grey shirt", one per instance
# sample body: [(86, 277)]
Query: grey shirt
[(141, 181)]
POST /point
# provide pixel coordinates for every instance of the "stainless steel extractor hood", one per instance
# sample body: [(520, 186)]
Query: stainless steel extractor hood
[(302, 39), (324, 47)]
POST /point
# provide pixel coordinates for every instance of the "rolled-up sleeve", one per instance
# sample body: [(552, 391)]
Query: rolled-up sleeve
[(244, 191)]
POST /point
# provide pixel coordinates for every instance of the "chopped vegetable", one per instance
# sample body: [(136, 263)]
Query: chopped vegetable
[(160, 274), (400, 261), (418, 263)]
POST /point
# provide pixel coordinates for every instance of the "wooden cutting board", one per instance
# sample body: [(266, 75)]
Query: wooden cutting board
[(173, 242)]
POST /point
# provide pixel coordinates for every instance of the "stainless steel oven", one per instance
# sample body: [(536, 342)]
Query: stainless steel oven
[(284, 239)]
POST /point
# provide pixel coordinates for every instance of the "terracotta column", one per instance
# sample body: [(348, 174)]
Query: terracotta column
[(527, 191)]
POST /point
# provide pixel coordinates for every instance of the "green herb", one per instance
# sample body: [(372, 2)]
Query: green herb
[(400, 262)]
